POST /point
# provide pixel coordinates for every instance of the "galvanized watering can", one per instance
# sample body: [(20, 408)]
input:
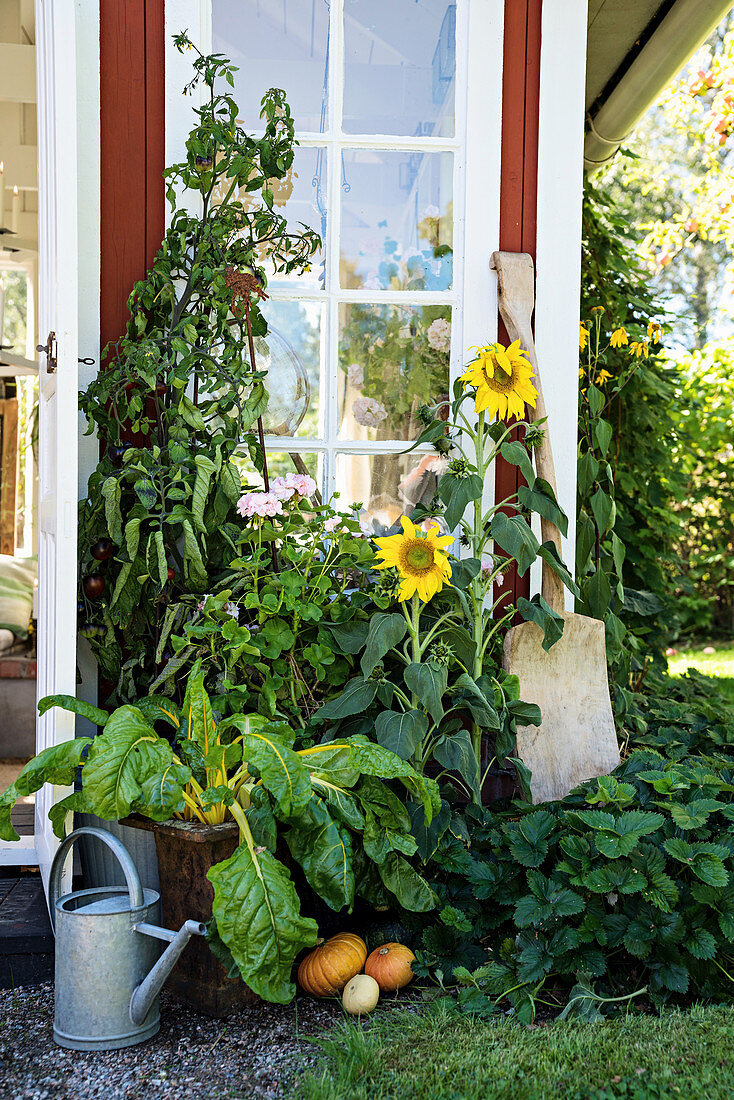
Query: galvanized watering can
[(108, 973)]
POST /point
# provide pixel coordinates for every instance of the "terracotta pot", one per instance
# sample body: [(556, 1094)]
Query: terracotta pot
[(186, 850)]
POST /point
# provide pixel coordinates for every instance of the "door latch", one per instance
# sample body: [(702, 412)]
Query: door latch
[(49, 348)]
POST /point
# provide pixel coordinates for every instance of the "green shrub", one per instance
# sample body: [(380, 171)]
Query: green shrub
[(623, 886)]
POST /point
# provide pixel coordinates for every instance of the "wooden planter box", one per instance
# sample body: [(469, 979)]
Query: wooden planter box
[(186, 850)]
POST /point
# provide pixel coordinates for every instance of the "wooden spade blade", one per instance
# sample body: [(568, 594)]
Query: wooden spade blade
[(577, 739)]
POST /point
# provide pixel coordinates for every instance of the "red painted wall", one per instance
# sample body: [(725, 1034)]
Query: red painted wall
[(519, 183), (132, 122)]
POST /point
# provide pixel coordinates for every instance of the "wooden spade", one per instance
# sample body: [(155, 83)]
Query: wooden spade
[(576, 739)]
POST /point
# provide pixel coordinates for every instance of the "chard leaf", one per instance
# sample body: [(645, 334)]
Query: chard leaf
[(77, 706), (258, 917), (410, 888), (56, 764), (282, 771), (120, 761), (324, 850)]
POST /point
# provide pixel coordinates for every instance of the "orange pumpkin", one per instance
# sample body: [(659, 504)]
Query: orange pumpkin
[(327, 969), (389, 965)]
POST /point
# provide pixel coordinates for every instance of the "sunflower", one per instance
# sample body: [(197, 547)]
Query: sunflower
[(418, 558), (501, 377)]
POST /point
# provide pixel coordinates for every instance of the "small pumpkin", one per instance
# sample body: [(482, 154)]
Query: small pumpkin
[(361, 994), (327, 969), (390, 966)]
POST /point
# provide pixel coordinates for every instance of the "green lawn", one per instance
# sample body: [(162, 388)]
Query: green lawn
[(436, 1055), (719, 664)]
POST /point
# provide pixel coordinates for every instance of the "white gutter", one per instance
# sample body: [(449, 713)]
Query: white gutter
[(681, 32)]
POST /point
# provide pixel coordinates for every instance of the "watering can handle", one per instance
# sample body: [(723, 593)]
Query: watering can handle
[(137, 899)]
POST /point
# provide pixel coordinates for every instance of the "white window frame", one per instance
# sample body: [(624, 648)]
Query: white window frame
[(476, 149)]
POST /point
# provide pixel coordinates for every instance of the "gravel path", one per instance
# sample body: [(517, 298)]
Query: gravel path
[(255, 1053)]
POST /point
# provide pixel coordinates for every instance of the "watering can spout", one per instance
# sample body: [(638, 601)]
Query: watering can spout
[(146, 993)]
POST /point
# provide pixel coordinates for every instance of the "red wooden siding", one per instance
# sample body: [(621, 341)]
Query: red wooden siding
[(132, 124), (519, 182)]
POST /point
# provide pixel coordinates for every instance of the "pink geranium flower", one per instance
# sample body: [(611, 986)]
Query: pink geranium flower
[(264, 505), (291, 485)]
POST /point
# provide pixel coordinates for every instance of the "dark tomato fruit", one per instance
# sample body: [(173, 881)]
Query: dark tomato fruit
[(94, 586), (161, 389), (103, 549), (116, 452), (171, 573)]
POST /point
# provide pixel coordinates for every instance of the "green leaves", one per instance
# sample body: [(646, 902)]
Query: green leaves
[(456, 493), (385, 632), (354, 699), (550, 622), (323, 848), (258, 917), (401, 733), (56, 764), (428, 682), (95, 715), (618, 836), (281, 769), (120, 763), (705, 861), (513, 535)]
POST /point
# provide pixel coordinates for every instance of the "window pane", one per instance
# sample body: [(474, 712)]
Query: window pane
[(392, 361), (387, 486), (280, 463), (397, 220), (280, 44), (301, 197), (291, 354), (400, 58)]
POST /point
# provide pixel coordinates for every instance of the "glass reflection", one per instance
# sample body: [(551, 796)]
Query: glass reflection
[(392, 361), (290, 353), (283, 44), (400, 61), (388, 486), (397, 220)]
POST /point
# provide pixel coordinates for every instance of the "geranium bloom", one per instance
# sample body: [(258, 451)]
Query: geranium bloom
[(264, 505), (293, 485), (618, 338), (368, 412), (419, 560), (501, 377), (439, 334), (355, 375)]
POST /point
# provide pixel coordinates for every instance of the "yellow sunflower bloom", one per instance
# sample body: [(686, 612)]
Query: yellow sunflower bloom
[(501, 377), (418, 558), (583, 337), (639, 349), (654, 331), (619, 338)]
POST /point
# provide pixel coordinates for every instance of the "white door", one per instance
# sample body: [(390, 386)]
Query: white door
[(58, 413)]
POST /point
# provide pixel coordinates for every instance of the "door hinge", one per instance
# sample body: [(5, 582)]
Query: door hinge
[(49, 348)]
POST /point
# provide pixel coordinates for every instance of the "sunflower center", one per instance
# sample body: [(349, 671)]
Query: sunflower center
[(501, 382), (416, 557)]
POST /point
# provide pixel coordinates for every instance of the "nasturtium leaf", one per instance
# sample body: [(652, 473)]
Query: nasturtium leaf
[(258, 917)]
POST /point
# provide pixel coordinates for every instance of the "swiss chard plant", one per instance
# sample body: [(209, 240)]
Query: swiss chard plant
[(181, 392), (330, 805)]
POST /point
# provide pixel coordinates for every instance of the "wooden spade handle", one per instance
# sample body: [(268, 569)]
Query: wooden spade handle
[(516, 300)]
